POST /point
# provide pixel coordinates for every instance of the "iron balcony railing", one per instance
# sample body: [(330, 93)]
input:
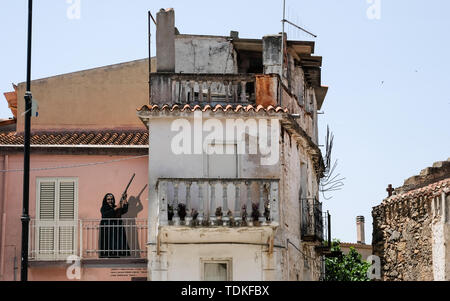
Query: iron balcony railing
[(313, 220), (88, 239), (218, 202)]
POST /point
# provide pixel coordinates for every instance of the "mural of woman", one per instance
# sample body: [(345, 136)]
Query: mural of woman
[(112, 236)]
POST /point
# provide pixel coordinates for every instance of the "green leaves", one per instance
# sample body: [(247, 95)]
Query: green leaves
[(345, 267)]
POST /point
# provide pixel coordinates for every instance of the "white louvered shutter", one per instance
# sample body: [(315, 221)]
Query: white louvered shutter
[(56, 225), (66, 200), (47, 201), (66, 217), (46, 229)]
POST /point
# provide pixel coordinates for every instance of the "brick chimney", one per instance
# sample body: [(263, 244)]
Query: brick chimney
[(360, 230), (165, 40)]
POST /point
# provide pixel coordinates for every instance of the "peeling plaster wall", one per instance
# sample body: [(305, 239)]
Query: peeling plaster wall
[(304, 266), (185, 261), (166, 164), (196, 54)]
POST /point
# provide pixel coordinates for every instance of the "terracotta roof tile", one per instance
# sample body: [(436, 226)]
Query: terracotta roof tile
[(427, 191), (216, 108), (118, 138)]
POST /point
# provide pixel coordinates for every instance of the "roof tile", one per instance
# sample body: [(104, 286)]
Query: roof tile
[(119, 138), (216, 108)]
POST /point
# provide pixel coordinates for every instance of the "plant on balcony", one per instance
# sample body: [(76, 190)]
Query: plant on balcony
[(255, 214), (231, 218), (244, 215), (182, 212), (194, 215), (267, 211), (219, 215), (170, 212)]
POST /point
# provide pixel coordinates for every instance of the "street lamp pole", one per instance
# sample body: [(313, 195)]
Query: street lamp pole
[(26, 170)]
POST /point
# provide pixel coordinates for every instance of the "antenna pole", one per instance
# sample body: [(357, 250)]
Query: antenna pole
[(150, 19), (282, 52)]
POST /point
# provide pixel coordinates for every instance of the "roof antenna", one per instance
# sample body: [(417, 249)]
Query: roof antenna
[(284, 21), (291, 23)]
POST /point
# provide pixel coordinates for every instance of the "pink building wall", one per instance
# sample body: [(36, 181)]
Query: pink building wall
[(93, 183)]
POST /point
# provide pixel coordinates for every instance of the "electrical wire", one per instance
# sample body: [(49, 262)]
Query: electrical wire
[(75, 165)]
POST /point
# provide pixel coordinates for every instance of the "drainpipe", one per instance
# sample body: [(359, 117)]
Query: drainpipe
[(287, 257), (3, 214)]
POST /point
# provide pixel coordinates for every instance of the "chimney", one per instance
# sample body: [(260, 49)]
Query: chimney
[(360, 230), (272, 54), (165, 40)]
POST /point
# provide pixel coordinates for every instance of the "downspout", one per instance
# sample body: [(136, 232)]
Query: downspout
[(3, 214), (287, 257)]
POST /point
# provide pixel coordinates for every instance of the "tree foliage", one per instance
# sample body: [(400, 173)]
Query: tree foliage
[(345, 267)]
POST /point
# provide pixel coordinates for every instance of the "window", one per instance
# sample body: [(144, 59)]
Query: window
[(56, 218), (226, 163), (216, 270)]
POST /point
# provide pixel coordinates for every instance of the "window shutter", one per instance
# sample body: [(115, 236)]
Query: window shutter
[(47, 200), (66, 239), (66, 217), (46, 240), (66, 201), (56, 227)]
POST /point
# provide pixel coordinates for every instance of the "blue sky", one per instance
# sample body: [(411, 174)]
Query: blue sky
[(388, 103)]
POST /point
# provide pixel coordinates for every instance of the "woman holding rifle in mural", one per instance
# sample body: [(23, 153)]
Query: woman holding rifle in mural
[(113, 241)]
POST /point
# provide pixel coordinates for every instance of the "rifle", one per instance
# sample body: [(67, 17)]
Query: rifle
[(126, 189)]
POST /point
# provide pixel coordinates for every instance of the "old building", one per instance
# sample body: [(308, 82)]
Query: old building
[(411, 228), (219, 210), (225, 154)]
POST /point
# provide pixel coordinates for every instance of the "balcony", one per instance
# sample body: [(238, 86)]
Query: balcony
[(228, 203), (314, 222), (91, 239), (183, 88)]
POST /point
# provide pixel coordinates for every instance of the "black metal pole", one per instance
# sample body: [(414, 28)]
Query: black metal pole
[(26, 162), (149, 58), (329, 229)]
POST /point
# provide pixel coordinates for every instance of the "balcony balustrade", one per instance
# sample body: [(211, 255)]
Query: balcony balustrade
[(180, 88), (218, 202)]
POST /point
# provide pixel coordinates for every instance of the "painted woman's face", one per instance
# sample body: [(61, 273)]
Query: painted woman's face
[(109, 200)]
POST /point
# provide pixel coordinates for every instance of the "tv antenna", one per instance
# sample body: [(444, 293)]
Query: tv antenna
[(284, 21)]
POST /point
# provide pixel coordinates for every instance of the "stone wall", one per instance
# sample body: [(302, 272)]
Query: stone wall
[(402, 239), (405, 234)]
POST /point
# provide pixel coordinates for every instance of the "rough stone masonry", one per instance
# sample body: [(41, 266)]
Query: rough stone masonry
[(411, 229)]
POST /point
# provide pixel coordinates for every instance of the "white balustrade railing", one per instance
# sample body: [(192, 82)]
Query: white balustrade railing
[(218, 202)]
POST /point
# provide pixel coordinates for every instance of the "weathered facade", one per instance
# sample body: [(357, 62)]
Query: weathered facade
[(87, 133), (202, 205), (411, 229)]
